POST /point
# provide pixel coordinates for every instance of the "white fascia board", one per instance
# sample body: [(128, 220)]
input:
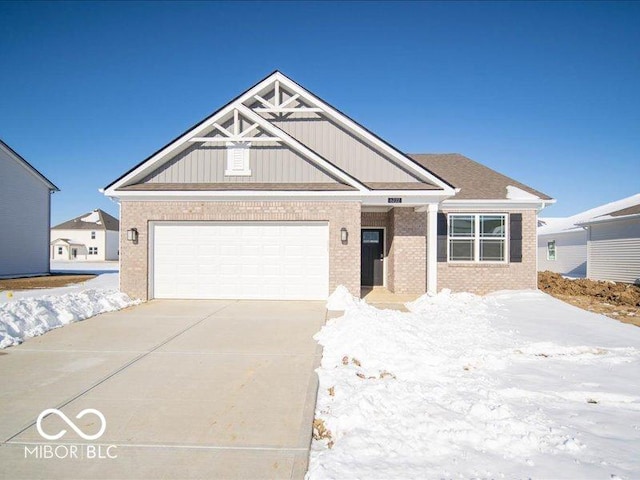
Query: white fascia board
[(410, 164), (493, 204), (378, 198), (301, 148), (151, 163), (257, 194)]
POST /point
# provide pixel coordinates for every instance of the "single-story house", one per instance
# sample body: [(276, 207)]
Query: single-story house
[(613, 245), (562, 242), (25, 216), (279, 195), (93, 236)]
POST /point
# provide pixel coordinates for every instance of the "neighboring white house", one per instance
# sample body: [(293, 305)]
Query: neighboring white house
[(562, 242), (613, 245), (25, 207), (92, 236)]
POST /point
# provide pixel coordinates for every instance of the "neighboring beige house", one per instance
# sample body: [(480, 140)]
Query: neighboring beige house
[(25, 213), (278, 195), (89, 237), (563, 243)]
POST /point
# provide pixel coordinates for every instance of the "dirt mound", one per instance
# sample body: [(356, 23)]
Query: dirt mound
[(613, 293)]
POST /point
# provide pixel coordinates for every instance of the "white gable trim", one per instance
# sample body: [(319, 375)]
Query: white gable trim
[(156, 160), (250, 95), (333, 113)]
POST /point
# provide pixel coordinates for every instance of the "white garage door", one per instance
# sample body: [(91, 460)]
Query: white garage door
[(260, 260)]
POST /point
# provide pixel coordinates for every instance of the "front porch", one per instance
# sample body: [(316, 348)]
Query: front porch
[(398, 251), (381, 297)]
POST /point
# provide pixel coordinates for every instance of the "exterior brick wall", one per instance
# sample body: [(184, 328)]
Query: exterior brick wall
[(344, 260), (406, 247), (408, 255), (482, 279)]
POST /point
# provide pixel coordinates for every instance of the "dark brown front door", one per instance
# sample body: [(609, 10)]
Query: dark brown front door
[(372, 256)]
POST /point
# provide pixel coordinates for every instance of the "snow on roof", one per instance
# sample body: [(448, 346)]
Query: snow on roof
[(93, 217), (571, 224), (515, 193), (95, 220), (627, 213), (68, 241)]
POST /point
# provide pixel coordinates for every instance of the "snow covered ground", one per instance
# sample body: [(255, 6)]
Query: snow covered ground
[(512, 385), (61, 266), (29, 313)]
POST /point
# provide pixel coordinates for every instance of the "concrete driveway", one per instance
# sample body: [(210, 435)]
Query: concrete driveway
[(188, 389)]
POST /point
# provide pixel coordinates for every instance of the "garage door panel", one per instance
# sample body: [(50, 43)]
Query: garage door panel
[(245, 260)]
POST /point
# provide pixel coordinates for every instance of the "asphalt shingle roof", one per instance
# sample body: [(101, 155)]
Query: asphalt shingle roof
[(476, 182), (104, 222)]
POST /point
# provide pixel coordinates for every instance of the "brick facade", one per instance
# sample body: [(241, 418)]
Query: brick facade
[(406, 256), (482, 279), (406, 248), (405, 244), (344, 260)]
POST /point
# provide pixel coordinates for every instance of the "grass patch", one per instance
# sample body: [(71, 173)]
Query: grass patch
[(46, 281)]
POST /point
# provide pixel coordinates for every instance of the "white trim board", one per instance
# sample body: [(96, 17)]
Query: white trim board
[(238, 105)]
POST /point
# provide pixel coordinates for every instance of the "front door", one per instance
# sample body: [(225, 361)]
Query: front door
[(74, 253), (372, 257)]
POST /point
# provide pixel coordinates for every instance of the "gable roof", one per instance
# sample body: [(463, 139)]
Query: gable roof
[(632, 210), (66, 241), (475, 181), (20, 159), (94, 220), (623, 207), (238, 105)]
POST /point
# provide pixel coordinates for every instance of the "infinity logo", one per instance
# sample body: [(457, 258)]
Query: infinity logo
[(62, 432)]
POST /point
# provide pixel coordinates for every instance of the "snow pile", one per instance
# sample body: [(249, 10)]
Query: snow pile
[(30, 317), (341, 299), (515, 193), (93, 217), (452, 389)]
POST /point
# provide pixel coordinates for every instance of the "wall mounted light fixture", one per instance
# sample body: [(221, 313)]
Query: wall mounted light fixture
[(344, 235), (132, 235)]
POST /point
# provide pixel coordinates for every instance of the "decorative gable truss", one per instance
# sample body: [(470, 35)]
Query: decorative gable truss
[(251, 121)]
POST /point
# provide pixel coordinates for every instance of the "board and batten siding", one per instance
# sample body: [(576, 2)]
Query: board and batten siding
[(24, 219), (343, 149), (613, 251), (204, 163), (571, 253)]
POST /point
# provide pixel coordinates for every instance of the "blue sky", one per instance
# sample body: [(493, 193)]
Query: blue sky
[(548, 93)]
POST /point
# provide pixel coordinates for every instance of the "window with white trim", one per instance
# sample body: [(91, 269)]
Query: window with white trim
[(238, 159), (93, 235), (59, 250), (551, 250), (93, 250), (478, 238)]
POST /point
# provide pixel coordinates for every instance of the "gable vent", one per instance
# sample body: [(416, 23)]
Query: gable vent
[(238, 159)]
